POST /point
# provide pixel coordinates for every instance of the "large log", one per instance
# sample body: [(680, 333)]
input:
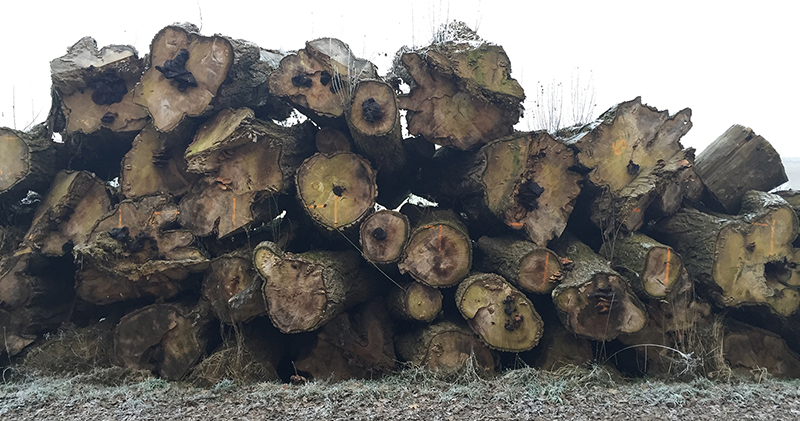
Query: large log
[(36, 296), (338, 191), (304, 291), (500, 314), (738, 161), (525, 181), (95, 88), (354, 345), (184, 73), (374, 121), (245, 162), (233, 288), (445, 347), (739, 260), (749, 351), (28, 161), (462, 93), (133, 253), (75, 202), (165, 338), (319, 80), (593, 300), (527, 266), (439, 252)]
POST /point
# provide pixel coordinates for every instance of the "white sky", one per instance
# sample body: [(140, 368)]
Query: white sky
[(731, 62)]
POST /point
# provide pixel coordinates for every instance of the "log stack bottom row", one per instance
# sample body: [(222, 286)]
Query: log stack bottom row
[(208, 235)]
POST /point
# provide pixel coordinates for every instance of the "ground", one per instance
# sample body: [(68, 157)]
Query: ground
[(581, 394)]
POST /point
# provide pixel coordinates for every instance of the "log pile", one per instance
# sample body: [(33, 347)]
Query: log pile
[(303, 242)]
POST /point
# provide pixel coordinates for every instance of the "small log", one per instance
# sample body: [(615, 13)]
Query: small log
[(383, 236), (155, 165), (560, 347), (132, 253), (652, 268), (374, 122), (524, 181), (95, 88), (304, 291), (184, 73), (668, 180), (737, 161), (415, 302), (461, 95), (69, 211), (28, 161), (749, 350), (445, 347), (439, 252), (329, 140), (338, 191), (594, 301), (354, 345), (233, 288), (527, 266), (165, 338), (37, 295), (628, 139), (318, 80), (739, 260), (500, 314)]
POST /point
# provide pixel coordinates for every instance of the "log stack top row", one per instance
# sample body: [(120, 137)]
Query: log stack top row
[(182, 194)]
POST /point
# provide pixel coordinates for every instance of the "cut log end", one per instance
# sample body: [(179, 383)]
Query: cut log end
[(416, 301), (383, 236), (438, 255)]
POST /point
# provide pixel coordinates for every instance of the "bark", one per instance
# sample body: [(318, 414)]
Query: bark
[(304, 291), (594, 301), (155, 165), (354, 345), (36, 294), (338, 191), (233, 288), (523, 181), (462, 95), (415, 302), (445, 347), (319, 79), (628, 139), (527, 266), (667, 182), (94, 88), (439, 252), (28, 161), (374, 122), (165, 338), (207, 61), (133, 253), (500, 314), (69, 211), (383, 236), (739, 260), (736, 162)]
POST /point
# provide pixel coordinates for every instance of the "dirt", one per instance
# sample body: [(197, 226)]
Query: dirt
[(409, 395)]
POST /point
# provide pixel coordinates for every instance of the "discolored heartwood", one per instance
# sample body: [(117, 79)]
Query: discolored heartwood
[(209, 59), (338, 191), (75, 202), (439, 252), (304, 291), (133, 252), (166, 338), (593, 300), (383, 236), (527, 266), (415, 302), (500, 314), (445, 347)]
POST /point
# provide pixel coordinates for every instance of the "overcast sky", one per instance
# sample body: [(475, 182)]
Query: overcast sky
[(730, 62)]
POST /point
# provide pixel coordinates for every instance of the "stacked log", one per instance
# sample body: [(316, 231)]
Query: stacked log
[(302, 243)]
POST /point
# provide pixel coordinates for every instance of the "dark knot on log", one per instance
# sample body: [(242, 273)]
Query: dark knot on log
[(325, 78), (605, 298), (528, 194), (301, 81), (372, 110), (379, 234), (633, 169), (108, 88), (120, 234), (338, 190), (175, 69), (108, 117)]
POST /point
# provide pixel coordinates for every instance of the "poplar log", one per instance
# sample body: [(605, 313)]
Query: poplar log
[(445, 347), (415, 302), (233, 288), (527, 266), (383, 236), (374, 121)]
